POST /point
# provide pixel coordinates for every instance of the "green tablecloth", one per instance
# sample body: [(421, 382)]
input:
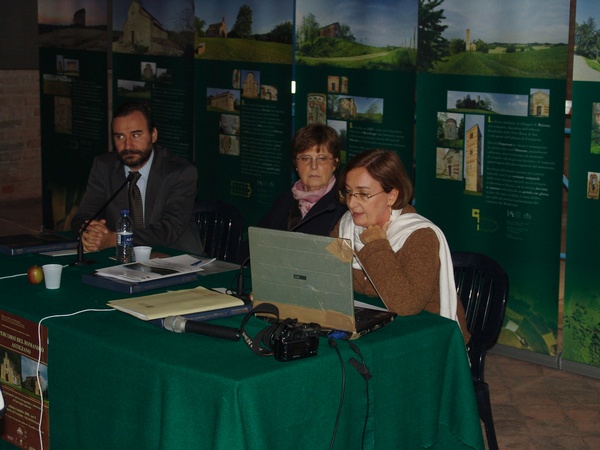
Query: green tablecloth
[(116, 382)]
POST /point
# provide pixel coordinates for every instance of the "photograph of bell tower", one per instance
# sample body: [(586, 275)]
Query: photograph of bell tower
[(473, 151)]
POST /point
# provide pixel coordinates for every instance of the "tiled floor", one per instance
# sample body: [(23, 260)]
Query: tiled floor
[(537, 407), (534, 407)]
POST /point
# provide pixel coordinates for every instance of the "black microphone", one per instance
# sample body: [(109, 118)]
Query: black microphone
[(329, 208), (84, 262), (179, 324)]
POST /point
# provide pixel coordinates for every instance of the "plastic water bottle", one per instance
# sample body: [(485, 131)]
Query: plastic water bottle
[(125, 238)]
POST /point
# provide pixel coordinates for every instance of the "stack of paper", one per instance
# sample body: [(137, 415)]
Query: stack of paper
[(153, 269), (175, 303)]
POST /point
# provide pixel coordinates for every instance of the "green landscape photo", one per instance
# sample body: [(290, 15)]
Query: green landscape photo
[(376, 35), (511, 38)]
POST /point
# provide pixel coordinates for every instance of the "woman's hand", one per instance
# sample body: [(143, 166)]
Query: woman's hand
[(374, 232)]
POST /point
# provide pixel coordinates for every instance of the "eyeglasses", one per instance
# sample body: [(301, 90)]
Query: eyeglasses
[(360, 196), (307, 160)]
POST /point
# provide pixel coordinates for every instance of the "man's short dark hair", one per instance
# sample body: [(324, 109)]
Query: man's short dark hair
[(130, 107)]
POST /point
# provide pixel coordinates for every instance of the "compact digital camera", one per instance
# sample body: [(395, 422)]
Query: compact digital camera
[(295, 341)]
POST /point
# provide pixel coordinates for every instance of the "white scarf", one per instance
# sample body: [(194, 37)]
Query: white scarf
[(400, 228)]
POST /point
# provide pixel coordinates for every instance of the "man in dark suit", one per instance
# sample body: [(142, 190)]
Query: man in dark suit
[(167, 184)]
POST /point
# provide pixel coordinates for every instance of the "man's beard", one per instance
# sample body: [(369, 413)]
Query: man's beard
[(142, 157)]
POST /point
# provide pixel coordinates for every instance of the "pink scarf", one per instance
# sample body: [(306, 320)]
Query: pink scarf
[(306, 199)]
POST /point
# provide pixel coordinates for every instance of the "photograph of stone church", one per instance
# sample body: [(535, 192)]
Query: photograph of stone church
[(539, 103), (449, 164), (62, 24), (146, 28)]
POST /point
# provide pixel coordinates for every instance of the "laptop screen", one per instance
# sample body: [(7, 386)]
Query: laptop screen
[(301, 270)]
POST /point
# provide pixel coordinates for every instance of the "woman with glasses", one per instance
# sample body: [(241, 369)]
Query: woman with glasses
[(311, 206), (400, 256)]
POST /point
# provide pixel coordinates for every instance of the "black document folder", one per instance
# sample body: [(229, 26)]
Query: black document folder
[(35, 243)]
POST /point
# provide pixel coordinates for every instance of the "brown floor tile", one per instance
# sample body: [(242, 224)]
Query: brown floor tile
[(514, 426), (592, 442), (516, 442), (515, 369), (582, 415), (560, 443), (543, 413)]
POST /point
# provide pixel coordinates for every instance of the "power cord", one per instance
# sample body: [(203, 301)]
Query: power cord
[(22, 274), (364, 371), (333, 344), (39, 362)]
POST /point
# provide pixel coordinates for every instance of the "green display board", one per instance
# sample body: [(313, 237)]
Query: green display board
[(488, 79), (355, 76), (152, 54), (581, 336), (490, 132), (73, 103), (243, 77)]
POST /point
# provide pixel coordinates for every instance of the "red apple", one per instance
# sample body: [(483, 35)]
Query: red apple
[(35, 274)]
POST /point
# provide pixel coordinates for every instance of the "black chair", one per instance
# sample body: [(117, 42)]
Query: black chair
[(221, 226), (482, 285)]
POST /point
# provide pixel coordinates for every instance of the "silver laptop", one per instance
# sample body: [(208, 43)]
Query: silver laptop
[(309, 278)]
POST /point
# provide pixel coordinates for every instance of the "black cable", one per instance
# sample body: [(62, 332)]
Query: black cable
[(364, 371), (237, 281), (333, 344), (366, 414)]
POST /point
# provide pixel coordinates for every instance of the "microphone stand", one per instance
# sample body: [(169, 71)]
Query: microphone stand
[(80, 261), (240, 282)]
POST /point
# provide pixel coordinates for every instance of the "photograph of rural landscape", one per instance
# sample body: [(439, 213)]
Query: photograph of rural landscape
[(244, 30), (586, 61), (379, 34), (508, 38), (64, 24)]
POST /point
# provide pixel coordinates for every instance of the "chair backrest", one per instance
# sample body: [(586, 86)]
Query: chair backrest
[(482, 286), (221, 226)]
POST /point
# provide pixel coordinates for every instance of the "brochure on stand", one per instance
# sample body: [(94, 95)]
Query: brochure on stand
[(153, 269), (175, 303)]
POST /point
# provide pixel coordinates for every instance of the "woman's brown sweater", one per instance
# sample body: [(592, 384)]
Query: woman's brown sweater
[(407, 280)]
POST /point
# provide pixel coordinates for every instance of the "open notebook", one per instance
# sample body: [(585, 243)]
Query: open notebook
[(309, 278)]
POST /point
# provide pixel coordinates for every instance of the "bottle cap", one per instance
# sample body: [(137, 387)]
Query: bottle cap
[(124, 212)]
